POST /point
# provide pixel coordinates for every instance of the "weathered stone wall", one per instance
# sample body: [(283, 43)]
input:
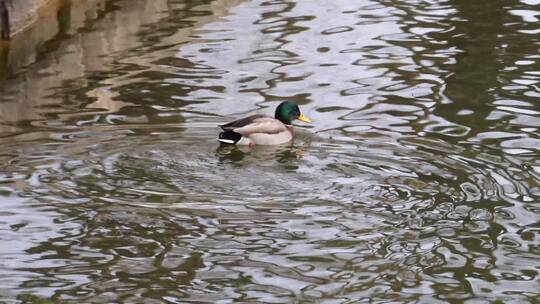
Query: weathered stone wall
[(4, 21), (16, 15)]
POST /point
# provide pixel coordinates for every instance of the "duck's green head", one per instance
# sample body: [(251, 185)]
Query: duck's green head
[(288, 111)]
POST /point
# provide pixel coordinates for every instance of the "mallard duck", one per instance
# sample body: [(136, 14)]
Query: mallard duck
[(262, 129)]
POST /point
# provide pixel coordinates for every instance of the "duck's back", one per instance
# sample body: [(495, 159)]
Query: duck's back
[(255, 130), (242, 122)]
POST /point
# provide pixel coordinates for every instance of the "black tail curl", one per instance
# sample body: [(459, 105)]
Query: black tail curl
[(229, 137)]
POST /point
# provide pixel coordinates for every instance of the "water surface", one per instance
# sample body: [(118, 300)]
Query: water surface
[(418, 181)]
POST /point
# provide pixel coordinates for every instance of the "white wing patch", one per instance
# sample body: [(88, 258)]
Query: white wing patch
[(226, 141)]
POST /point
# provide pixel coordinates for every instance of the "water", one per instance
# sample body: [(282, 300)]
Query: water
[(418, 181)]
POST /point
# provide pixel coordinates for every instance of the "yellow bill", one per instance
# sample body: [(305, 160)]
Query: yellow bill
[(303, 118)]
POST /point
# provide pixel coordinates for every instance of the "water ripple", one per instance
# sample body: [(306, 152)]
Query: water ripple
[(417, 182)]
